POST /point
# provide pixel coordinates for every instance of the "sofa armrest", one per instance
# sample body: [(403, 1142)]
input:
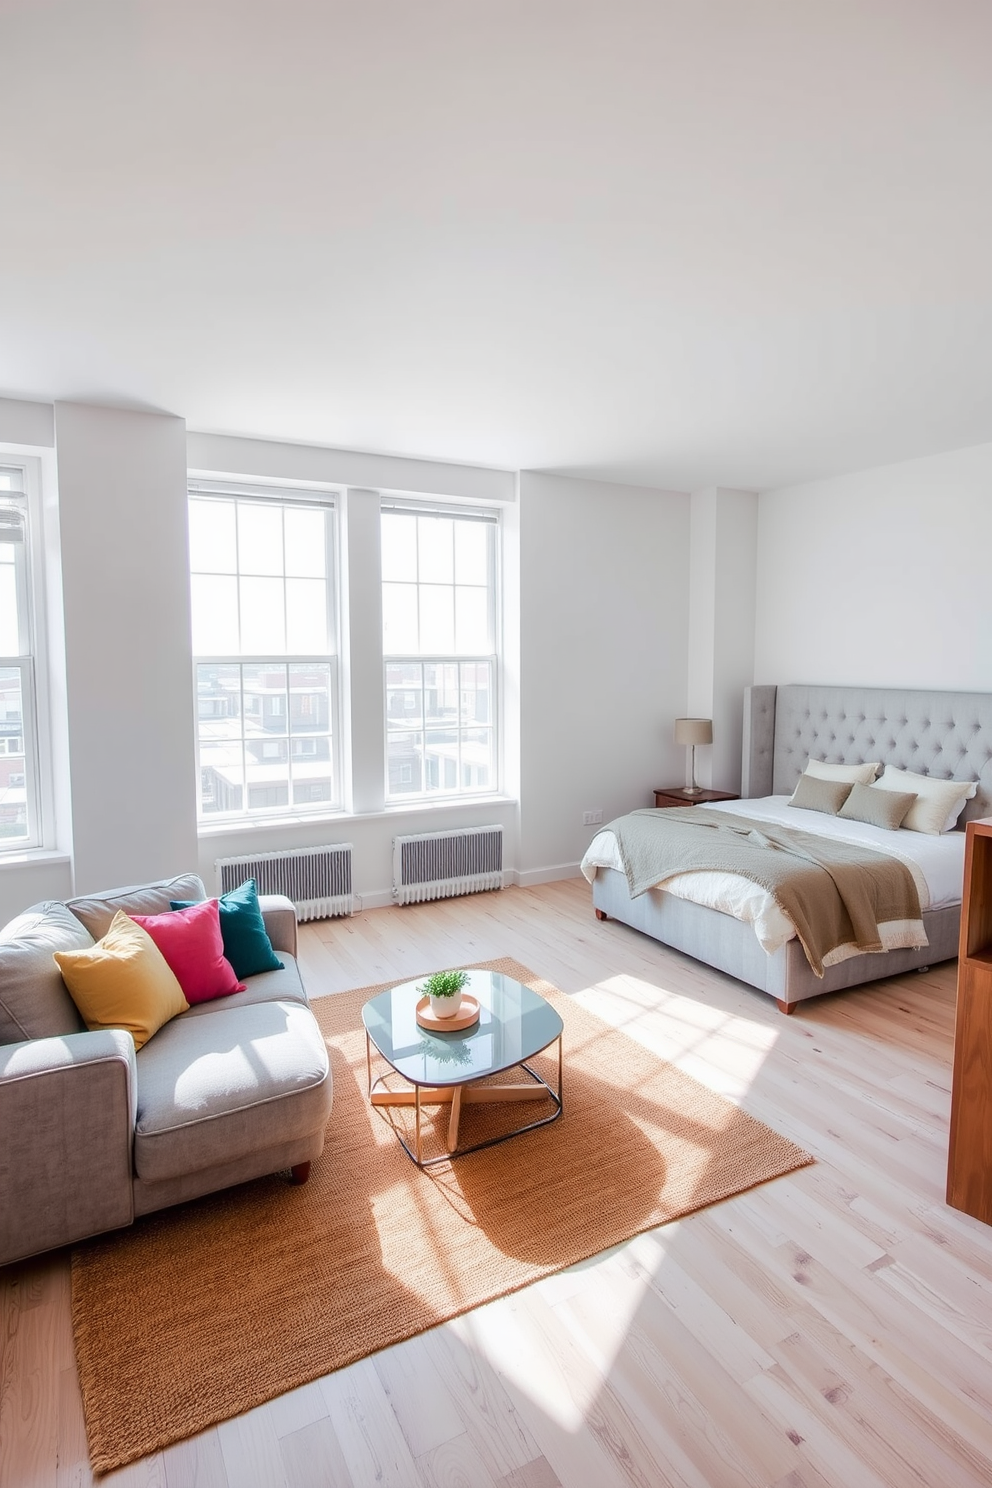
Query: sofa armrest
[(67, 1113), (279, 914)]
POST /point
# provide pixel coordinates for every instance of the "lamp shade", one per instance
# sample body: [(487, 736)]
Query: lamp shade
[(694, 731)]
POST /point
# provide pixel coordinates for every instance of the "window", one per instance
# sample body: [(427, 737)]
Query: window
[(20, 824), (263, 600), (439, 648)]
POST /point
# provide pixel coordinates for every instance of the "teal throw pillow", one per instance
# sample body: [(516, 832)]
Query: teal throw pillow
[(246, 942)]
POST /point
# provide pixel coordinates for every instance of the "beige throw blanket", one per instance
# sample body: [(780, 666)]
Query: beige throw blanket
[(834, 893)]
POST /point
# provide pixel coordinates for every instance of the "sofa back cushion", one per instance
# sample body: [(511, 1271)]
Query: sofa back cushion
[(34, 1002), (96, 911)]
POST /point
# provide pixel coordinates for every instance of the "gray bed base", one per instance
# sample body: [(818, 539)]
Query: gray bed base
[(945, 734)]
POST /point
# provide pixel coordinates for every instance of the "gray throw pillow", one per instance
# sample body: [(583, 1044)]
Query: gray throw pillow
[(877, 807), (34, 1002), (812, 794)]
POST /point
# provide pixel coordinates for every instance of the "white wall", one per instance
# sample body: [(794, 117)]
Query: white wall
[(125, 585), (604, 593), (879, 578)]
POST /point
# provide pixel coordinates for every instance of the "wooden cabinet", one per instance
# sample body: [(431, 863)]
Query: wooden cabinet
[(674, 795), (969, 1166)]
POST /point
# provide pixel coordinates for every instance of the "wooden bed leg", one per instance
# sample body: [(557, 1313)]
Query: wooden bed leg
[(601, 914), (301, 1172), (786, 1007)]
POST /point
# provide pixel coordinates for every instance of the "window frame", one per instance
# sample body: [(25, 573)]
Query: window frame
[(281, 495), (439, 797), (30, 660)]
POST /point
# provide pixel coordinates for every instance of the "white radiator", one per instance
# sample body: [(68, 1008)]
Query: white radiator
[(317, 879), (437, 865)]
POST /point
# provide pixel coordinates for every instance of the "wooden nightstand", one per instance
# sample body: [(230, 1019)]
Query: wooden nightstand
[(674, 795)]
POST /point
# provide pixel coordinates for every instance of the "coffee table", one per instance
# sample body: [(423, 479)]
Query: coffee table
[(445, 1068)]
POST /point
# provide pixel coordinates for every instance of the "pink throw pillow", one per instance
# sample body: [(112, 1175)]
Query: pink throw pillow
[(191, 942)]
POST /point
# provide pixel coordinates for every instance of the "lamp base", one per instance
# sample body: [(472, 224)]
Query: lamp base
[(692, 790)]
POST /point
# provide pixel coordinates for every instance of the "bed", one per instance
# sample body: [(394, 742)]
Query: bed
[(947, 735)]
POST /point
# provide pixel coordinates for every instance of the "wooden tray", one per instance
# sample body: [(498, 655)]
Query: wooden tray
[(468, 1015)]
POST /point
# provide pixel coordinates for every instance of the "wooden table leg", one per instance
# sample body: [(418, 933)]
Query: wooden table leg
[(453, 1119)]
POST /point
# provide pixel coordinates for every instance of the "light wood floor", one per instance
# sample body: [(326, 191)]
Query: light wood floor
[(833, 1327)]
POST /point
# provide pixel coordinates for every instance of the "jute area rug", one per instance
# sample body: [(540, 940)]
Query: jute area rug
[(202, 1312)]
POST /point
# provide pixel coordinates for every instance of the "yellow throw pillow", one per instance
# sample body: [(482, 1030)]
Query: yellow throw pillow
[(123, 981)]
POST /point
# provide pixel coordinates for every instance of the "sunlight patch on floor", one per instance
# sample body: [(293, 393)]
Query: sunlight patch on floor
[(724, 1051)]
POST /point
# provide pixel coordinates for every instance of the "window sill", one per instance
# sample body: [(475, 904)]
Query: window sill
[(391, 812), (25, 856)]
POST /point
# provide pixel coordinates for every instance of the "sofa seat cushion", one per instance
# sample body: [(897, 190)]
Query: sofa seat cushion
[(216, 1087), (284, 985)]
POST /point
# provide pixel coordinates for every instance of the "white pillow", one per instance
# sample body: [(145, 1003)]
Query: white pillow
[(938, 803), (853, 774)]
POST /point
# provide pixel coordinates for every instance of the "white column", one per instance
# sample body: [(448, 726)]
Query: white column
[(723, 540), (128, 655), (362, 652)]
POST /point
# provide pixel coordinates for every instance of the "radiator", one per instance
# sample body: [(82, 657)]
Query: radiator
[(317, 879), (437, 865)]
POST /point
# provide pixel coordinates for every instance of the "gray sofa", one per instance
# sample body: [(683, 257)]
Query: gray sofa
[(93, 1135)]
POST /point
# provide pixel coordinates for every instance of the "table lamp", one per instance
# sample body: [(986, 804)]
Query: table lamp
[(693, 731)]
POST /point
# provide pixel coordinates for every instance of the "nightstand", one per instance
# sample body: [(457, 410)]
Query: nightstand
[(674, 795)]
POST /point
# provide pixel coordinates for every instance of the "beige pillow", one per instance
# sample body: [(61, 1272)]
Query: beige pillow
[(853, 774), (938, 803), (813, 794), (879, 808)]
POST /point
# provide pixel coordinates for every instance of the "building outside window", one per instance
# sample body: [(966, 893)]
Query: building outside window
[(263, 598), (440, 650), (20, 824)]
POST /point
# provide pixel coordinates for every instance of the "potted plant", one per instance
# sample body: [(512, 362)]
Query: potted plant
[(444, 989)]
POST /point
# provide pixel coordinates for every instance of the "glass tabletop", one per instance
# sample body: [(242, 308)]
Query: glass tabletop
[(514, 1024)]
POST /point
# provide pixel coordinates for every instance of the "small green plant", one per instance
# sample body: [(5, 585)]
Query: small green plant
[(444, 984)]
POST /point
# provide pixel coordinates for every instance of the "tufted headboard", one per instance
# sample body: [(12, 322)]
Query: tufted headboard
[(944, 734)]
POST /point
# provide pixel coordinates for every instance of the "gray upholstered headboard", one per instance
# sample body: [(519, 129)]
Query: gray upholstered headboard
[(945, 734)]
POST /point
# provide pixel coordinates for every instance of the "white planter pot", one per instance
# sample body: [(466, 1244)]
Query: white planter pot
[(446, 1007)]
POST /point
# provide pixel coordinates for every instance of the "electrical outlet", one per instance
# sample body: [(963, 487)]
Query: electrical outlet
[(591, 818)]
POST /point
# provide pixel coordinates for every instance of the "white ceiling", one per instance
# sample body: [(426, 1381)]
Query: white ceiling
[(742, 242)]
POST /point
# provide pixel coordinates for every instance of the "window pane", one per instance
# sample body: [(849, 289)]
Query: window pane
[(476, 704), (9, 640), (265, 708), (306, 616), (259, 538), (398, 543), (218, 702), (306, 542), (441, 759), (478, 760), (222, 777), (214, 603), (437, 619), (309, 791), (436, 539), (441, 693), (472, 552), (404, 762), (263, 622), (310, 699), (267, 785), (212, 540), (13, 783), (399, 618), (472, 620)]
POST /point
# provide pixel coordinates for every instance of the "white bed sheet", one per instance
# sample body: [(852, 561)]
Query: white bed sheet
[(936, 863)]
